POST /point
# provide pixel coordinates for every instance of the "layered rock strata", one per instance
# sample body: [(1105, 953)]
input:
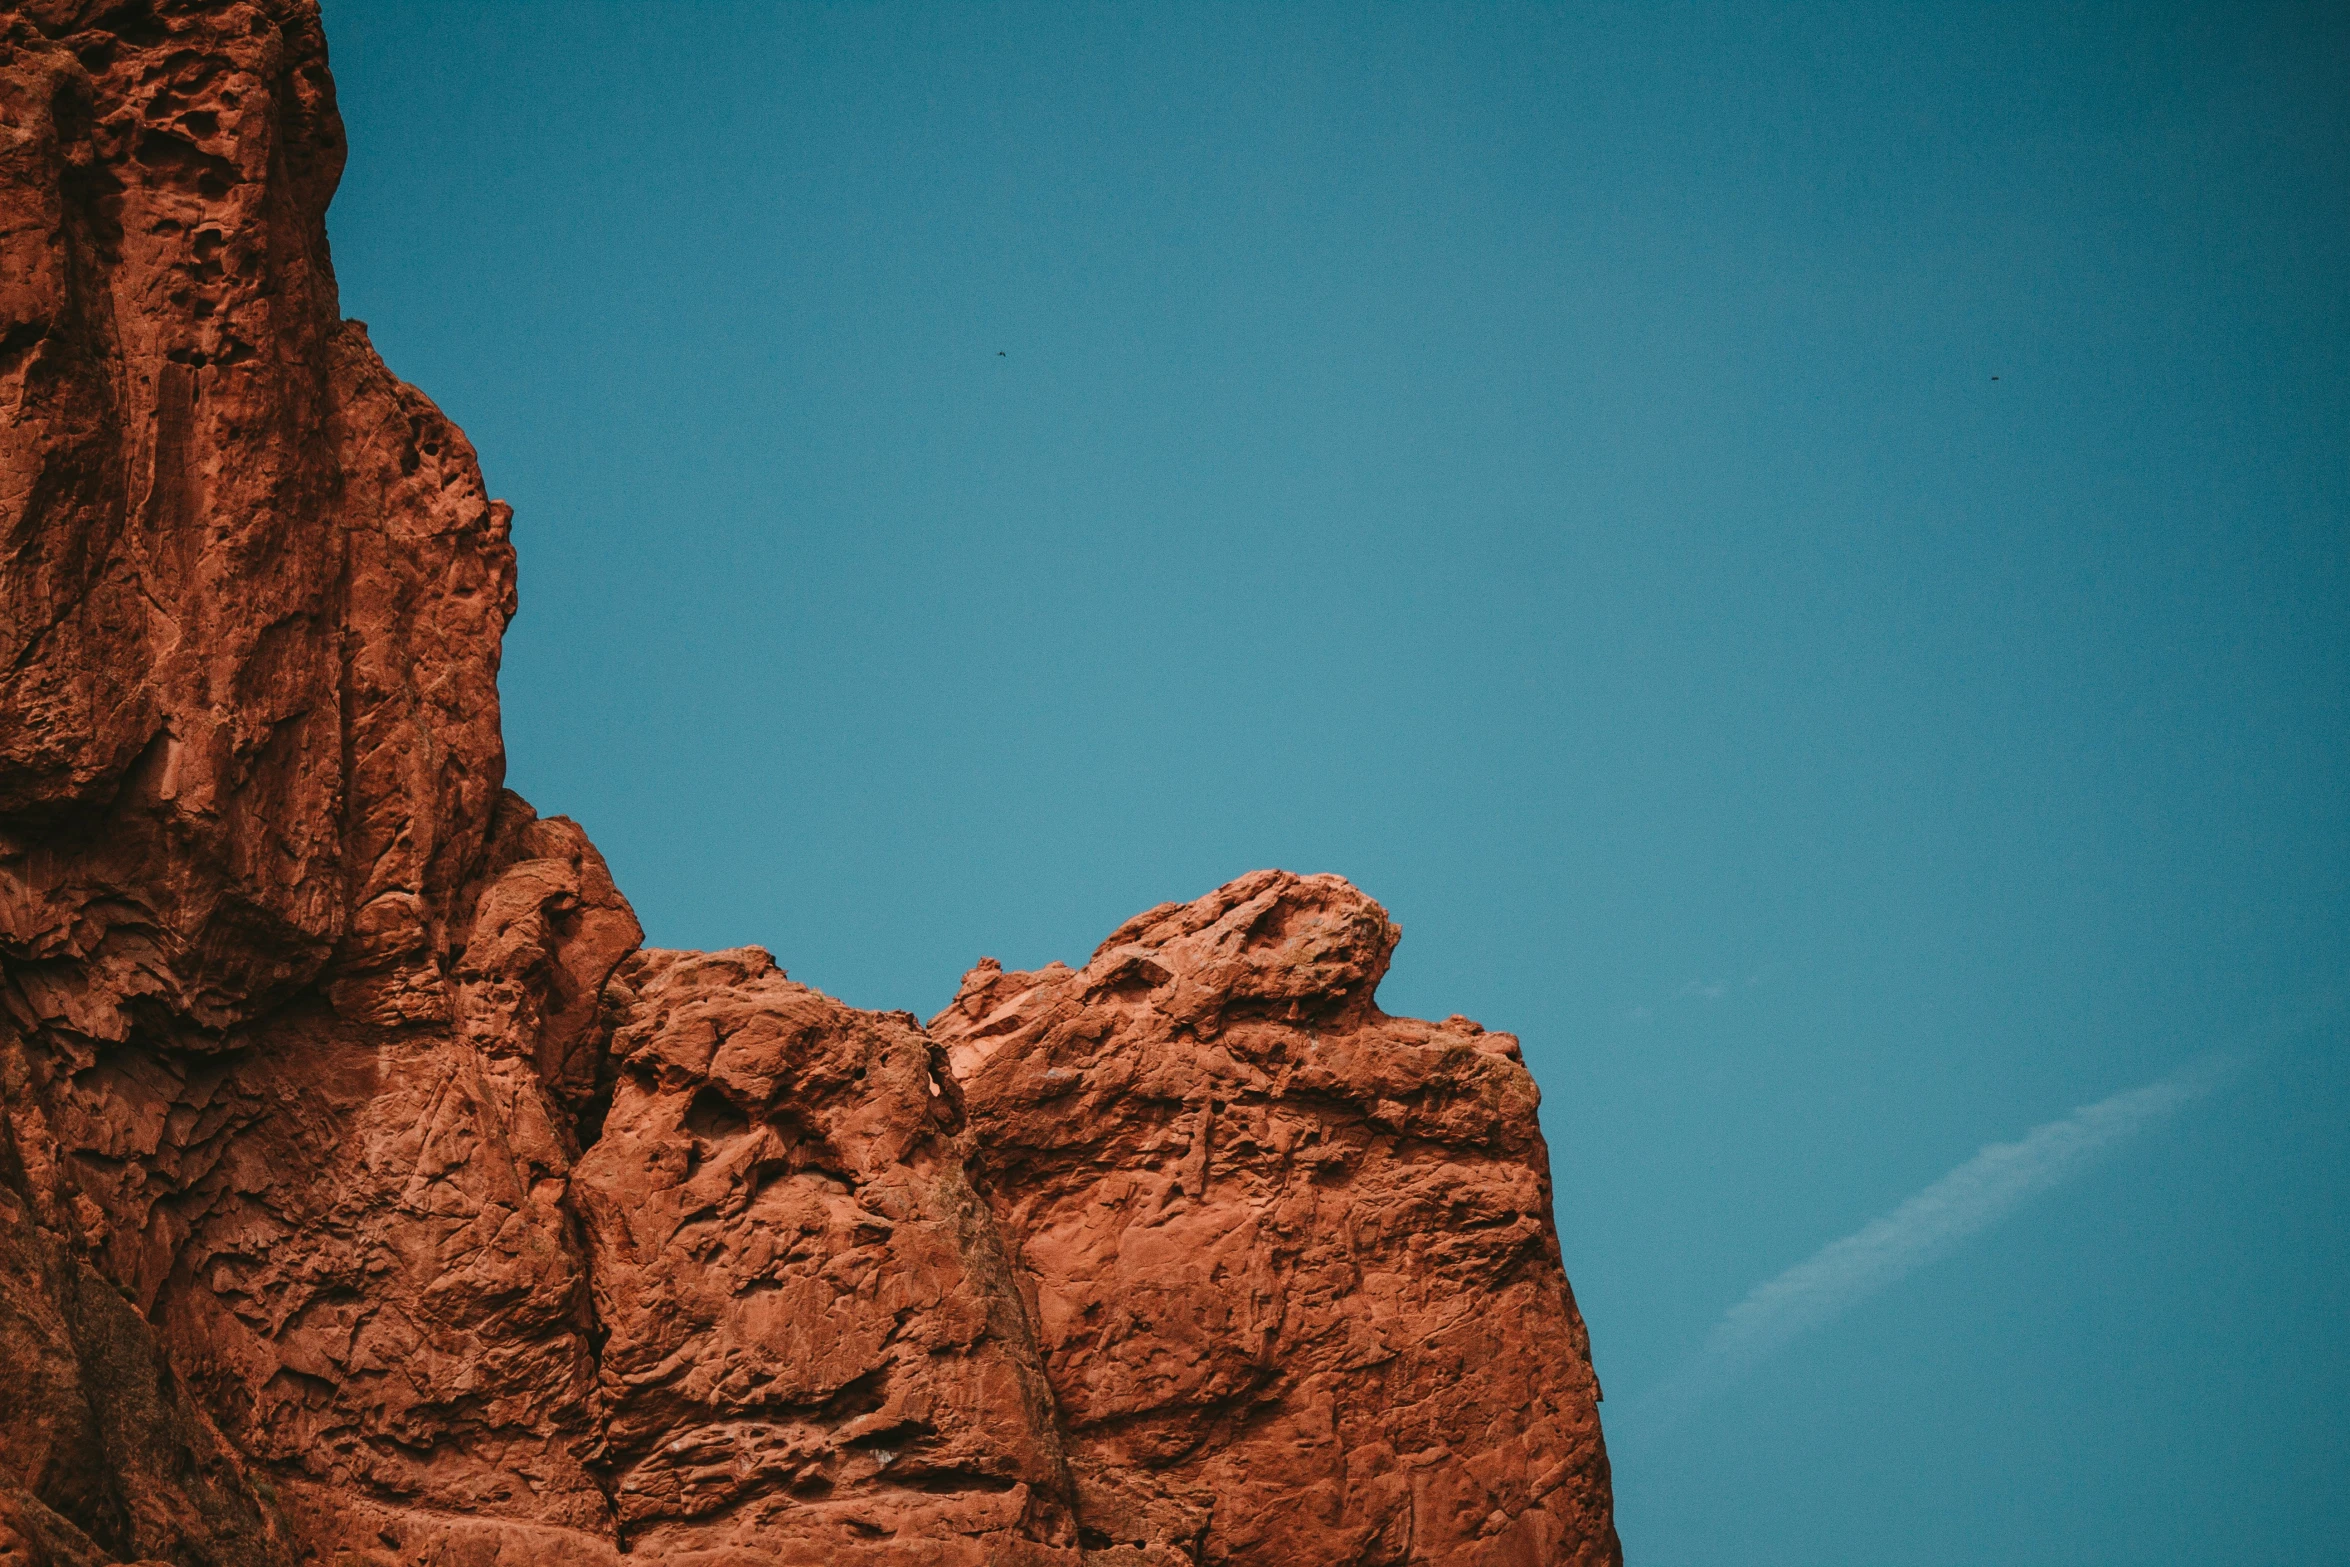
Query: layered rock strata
[(367, 1193)]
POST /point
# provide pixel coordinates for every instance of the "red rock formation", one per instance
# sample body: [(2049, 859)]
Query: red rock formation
[(1292, 1260), (814, 1342), (366, 1196)]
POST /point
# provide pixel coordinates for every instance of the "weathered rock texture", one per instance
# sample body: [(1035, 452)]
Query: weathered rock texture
[(1292, 1260), (368, 1196)]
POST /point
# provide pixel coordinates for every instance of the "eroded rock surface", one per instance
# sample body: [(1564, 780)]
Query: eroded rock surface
[(1292, 1260), (367, 1196), (249, 621), (813, 1342)]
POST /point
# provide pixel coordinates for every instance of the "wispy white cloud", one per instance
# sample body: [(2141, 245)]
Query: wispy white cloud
[(1967, 1201), (1706, 991)]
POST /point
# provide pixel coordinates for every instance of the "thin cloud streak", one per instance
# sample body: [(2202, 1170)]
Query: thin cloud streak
[(1967, 1201)]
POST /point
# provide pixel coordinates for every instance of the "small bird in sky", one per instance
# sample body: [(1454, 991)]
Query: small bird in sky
[(999, 353)]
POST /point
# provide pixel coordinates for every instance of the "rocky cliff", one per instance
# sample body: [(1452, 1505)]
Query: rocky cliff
[(369, 1195)]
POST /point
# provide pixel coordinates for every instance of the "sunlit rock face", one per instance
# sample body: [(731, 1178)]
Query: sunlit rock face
[(1292, 1262), (367, 1195)]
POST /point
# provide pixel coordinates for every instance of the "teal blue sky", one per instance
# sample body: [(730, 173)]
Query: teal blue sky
[(1802, 550)]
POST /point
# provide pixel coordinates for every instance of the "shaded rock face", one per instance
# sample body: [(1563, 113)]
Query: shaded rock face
[(250, 615), (367, 1195)]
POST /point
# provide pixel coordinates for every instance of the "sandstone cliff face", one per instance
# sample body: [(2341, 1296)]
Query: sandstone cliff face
[(816, 1351), (368, 1196), (1292, 1260)]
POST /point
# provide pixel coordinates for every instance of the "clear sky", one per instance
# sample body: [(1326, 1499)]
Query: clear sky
[(1802, 550)]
